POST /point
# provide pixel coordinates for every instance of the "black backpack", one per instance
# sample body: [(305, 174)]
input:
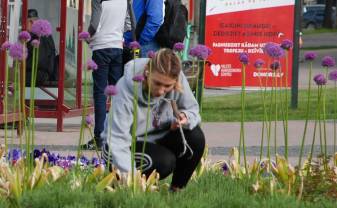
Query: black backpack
[(173, 29)]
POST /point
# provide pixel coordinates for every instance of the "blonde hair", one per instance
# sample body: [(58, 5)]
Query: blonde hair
[(166, 62)]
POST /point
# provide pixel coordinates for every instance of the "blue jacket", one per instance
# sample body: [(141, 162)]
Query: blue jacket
[(155, 11)]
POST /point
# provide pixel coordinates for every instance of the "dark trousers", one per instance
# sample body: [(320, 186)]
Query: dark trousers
[(164, 156), (110, 69)]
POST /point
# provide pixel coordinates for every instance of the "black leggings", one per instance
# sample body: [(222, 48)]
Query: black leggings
[(164, 156)]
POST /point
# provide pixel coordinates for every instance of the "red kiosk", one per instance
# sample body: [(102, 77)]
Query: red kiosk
[(60, 109)]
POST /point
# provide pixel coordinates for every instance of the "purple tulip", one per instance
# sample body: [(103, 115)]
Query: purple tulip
[(138, 78), (243, 57), (35, 43), (320, 79), (151, 54), (310, 56), (84, 36), (89, 120), (333, 75), (41, 28), (24, 36), (274, 50), (286, 44), (275, 65), (91, 65), (259, 63), (134, 45), (328, 61), (5, 46), (178, 47), (17, 53), (110, 90)]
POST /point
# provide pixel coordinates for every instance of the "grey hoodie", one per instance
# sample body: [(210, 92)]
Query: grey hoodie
[(118, 133)]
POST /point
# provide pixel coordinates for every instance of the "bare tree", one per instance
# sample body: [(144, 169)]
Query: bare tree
[(327, 22)]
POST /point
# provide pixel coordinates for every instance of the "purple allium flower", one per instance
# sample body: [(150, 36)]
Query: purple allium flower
[(138, 78), (328, 61), (178, 47), (286, 44), (134, 45), (200, 51), (24, 36), (310, 56), (333, 75), (110, 90), (89, 120), (41, 27), (243, 57), (275, 65), (273, 50), (91, 65), (151, 54), (83, 36), (5, 46), (35, 43), (259, 63), (16, 52), (320, 79)]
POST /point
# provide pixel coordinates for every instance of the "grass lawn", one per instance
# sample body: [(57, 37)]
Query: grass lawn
[(228, 107), (211, 190)]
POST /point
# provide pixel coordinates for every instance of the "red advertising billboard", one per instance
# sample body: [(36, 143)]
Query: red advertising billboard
[(236, 26)]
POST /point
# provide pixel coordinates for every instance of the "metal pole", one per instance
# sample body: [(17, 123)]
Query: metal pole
[(297, 25), (201, 40), (60, 97)]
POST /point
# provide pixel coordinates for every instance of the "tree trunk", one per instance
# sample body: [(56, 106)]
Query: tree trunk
[(327, 22)]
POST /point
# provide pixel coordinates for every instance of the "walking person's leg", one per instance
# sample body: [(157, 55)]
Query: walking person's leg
[(115, 66), (100, 79)]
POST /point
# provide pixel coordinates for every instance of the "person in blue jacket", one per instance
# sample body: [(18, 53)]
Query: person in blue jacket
[(150, 14)]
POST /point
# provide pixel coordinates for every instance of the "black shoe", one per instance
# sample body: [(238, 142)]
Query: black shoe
[(91, 145)]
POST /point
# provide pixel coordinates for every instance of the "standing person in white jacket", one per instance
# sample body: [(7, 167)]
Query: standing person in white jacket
[(106, 30)]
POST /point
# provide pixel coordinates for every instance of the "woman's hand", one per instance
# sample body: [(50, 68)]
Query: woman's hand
[(182, 120)]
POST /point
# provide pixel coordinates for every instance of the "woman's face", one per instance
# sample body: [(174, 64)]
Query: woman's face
[(161, 84)]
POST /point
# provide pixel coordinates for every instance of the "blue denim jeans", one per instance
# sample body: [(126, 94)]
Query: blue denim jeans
[(150, 46), (110, 69)]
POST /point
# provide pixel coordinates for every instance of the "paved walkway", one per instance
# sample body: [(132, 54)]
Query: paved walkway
[(220, 137)]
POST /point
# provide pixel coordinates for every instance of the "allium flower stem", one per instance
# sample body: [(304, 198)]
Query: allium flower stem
[(202, 84), (96, 149), (271, 95), (275, 106), (147, 113), (306, 117), (242, 128), (264, 120), (318, 112), (109, 128), (194, 78), (197, 82), (134, 129), (23, 105), (334, 120), (286, 107), (85, 104), (324, 120), (6, 100)]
